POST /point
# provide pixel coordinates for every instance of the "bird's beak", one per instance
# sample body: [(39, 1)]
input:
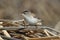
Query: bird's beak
[(22, 14)]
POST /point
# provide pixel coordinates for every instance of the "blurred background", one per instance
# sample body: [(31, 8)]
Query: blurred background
[(47, 10)]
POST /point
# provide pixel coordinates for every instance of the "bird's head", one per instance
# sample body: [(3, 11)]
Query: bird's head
[(27, 13)]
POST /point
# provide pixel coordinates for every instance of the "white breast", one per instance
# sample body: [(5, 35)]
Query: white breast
[(30, 19)]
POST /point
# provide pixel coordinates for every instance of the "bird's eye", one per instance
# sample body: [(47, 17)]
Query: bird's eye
[(25, 11)]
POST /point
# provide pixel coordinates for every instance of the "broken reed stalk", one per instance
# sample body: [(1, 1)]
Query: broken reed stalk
[(1, 38), (12, 28), (4, 31), (26, 38), (3, 20), (51, 33), (38, 36), (46, 32)]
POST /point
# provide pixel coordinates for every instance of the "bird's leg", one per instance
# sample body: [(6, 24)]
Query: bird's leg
[(24, 24), (36, 26)]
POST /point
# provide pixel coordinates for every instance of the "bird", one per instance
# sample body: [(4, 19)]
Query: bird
[(29, 17)]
